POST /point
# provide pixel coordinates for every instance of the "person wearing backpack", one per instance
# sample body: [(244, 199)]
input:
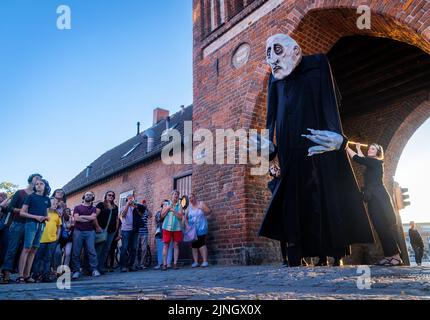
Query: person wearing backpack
[(48, 243), (16, 225), (143, 234)]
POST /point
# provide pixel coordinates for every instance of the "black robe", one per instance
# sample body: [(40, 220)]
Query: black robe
[(317, 204)]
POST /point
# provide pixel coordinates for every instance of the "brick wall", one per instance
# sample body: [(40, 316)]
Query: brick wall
[(225, 97), (152, 182)]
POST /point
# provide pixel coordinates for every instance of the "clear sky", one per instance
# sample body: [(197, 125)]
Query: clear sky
[(413, 173), (68, 96)]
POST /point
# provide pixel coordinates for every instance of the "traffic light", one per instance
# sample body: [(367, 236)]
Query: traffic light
[(404, 196), (400, 197)]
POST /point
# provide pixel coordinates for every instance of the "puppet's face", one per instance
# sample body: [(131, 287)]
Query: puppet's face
[(283, 55)]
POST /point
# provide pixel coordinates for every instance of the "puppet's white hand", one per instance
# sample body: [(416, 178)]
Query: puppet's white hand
[(318, 150), (327, 141), (260, 143)]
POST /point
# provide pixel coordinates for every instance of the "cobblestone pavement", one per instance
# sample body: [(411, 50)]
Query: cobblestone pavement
[(237, 282)]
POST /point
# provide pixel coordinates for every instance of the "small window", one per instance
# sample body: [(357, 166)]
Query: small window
[(183, 185), (234, 7), (131, 150)]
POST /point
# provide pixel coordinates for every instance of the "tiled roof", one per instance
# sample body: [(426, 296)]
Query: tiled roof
[(123, 157)]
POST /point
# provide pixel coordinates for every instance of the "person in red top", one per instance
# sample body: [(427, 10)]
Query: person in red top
[(84, 232)]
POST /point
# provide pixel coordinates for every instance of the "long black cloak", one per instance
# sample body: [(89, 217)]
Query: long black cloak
[(317, 204)]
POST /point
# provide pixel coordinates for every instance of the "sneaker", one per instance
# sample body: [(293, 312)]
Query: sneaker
[(124, 269), (194, 265), (157, 267), (95, 273), (76, 275), (204, 265)]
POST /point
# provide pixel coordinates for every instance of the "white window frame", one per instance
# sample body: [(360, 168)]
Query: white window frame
[(131, 150)]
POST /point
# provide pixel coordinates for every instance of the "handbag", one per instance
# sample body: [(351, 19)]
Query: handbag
[(102, 236), (190, 234)]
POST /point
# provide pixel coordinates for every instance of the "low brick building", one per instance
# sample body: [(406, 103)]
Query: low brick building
[(135, 167)]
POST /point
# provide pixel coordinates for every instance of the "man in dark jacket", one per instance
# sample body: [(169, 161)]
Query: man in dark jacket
[(417, 243), (317, 207)]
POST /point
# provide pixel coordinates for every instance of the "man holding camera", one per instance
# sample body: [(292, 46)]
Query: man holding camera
[(129, 235)]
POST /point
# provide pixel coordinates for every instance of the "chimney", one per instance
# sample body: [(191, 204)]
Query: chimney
[(159, 114), (88, 172), (138, 128), (167, 123), (150, 136)]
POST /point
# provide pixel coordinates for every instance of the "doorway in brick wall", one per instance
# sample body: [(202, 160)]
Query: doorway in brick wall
[(183, 184)]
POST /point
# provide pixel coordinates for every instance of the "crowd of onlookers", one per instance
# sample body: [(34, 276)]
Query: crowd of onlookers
[(39, 233)]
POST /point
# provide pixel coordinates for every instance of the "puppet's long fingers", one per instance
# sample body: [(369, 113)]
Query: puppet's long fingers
[(317, 150), (312, 138), (316, 132), (320, 140), (325, 141)]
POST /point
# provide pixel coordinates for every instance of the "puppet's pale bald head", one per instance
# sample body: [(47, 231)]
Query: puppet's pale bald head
[(283, 54)]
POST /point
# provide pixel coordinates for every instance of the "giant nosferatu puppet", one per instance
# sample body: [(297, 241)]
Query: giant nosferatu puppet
[(317, 206)]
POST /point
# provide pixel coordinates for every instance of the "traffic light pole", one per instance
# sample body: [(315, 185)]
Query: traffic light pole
[(398, 205)]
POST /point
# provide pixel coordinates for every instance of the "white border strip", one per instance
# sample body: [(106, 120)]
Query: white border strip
[(241, 26)]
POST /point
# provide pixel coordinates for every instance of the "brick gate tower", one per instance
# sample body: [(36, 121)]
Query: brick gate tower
[(382, 73)]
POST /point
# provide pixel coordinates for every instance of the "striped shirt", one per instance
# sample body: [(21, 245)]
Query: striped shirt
[(143, 228), (171, 222)]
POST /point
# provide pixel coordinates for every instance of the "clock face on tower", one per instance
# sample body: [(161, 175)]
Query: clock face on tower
[(241, 55)]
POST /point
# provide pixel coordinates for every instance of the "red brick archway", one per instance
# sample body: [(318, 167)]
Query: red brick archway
[(317, 28), (404, 132)]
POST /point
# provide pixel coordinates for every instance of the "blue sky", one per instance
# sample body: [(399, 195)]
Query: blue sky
[(68, 96)]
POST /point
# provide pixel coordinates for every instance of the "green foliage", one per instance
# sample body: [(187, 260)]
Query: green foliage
[(8, 187)]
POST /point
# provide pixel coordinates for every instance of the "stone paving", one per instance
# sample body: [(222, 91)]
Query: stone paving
[(237, 282)]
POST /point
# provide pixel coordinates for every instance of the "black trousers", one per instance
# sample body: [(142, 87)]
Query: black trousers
[(419, 252), (384, 221), (284, 250)]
